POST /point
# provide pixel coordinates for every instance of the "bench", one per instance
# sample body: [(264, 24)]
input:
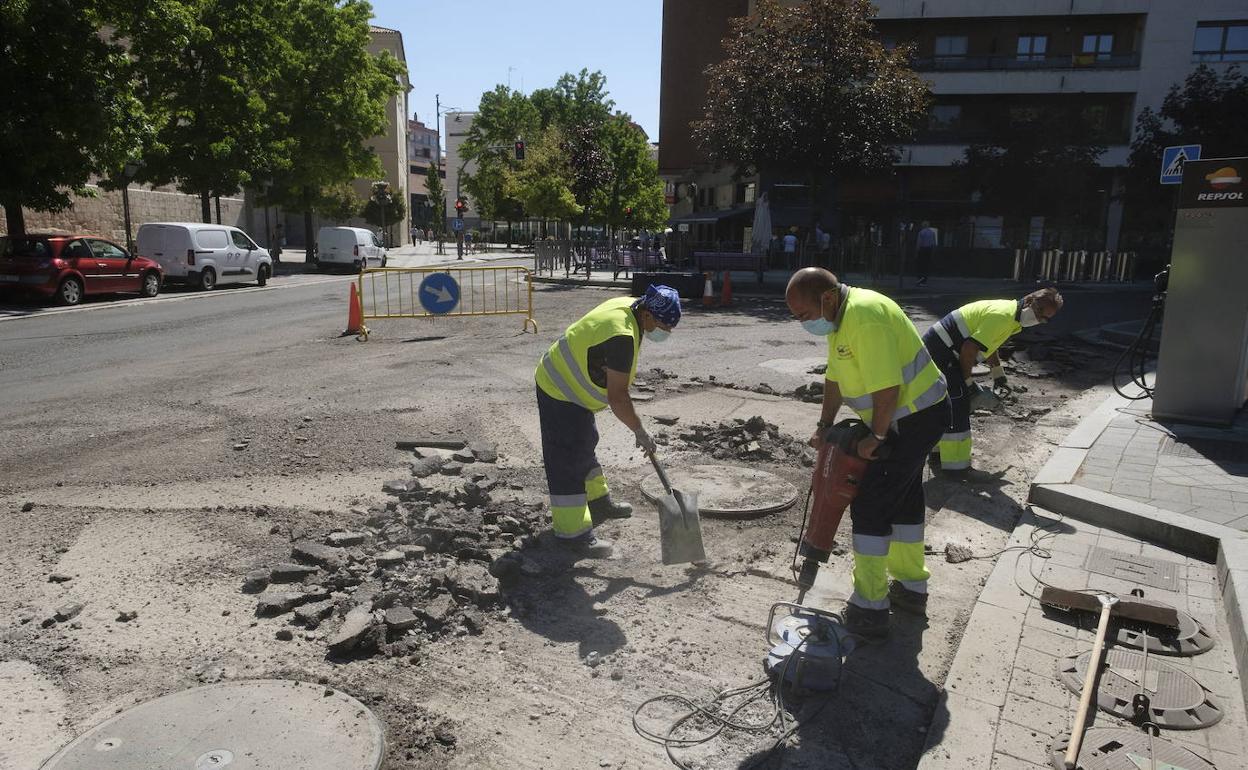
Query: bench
[(627, 261), (716, 261)]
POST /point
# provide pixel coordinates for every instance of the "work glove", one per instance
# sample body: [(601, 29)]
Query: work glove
[(983, 398), (644, 442), (998, 378)]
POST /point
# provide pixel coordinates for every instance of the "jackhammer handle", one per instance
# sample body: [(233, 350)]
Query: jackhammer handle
[(654, 460)]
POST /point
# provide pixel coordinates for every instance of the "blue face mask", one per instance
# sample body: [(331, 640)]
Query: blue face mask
[(658, 335), (820, 327)]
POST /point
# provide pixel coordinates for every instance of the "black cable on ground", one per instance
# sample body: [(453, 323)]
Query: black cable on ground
[(1136, 358)]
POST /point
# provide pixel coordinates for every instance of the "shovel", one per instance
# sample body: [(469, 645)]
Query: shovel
[(680, 532)]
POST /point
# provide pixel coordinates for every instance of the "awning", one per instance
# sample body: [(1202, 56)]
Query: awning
[(714, 216)]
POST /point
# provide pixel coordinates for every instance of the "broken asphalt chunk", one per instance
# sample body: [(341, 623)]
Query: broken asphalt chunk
[(355, 627), (318, 554), (291, 573)]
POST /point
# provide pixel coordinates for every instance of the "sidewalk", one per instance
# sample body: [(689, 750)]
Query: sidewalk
[(1171, 504), (420, 255)]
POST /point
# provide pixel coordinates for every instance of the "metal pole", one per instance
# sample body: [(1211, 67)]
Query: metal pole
[(125, 207)]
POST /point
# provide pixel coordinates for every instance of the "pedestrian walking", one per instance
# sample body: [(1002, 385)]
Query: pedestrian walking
[(879, 367), (588, 369), (279, 242), (925, 246), (970, 334), (414, 231), (790, 247)]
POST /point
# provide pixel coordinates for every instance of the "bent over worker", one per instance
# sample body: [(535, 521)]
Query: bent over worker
[(970, 334), (878, 366), (586, 370)]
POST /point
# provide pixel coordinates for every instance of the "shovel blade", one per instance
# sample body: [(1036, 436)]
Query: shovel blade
[(680, 531)]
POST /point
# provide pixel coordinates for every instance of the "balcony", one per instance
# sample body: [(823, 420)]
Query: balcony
[(1014, 62)]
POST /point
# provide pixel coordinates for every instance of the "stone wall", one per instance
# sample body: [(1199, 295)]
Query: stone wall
[(102, 215)]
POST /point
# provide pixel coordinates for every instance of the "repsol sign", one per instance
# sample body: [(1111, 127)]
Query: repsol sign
[(1220, 196)]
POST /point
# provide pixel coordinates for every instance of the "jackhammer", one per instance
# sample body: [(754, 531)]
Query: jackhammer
[(838, 472)]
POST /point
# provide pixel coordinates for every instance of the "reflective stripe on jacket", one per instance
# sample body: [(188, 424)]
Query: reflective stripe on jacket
[(563, 372), (876, 347), (988, 323)]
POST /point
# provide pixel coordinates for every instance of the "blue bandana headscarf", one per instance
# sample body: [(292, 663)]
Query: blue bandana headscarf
[(663, 302)]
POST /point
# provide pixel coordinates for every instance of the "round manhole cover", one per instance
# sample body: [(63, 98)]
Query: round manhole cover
[(1116, 748), (1178, 700), (235, 725), (727, 491), (1192, 638)]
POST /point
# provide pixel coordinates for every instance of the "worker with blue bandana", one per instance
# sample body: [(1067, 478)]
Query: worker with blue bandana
[(588, 369), (968, 335), (878, 367)]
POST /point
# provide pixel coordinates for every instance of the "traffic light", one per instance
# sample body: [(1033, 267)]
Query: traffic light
[(628, 212), (460, 205), (519, 149)]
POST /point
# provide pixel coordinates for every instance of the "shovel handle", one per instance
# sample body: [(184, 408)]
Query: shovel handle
[(654, 460)]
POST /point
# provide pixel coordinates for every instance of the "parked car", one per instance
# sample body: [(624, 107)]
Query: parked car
[(352, 247), (70, 267), (204, 255)]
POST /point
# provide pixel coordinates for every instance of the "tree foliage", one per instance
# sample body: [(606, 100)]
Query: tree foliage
[(809, 86), (70, 109), (436, 192), (395, 209), (1207, 109), (583, 163)]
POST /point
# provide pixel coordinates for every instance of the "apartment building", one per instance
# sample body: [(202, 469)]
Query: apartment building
[(422, 149), (990, 67), (391, 146)]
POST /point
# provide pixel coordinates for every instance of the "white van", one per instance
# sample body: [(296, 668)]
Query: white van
[(204, 255), (352, 247)]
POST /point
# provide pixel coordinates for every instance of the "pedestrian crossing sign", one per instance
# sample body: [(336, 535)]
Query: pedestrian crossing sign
[(1172, 160)]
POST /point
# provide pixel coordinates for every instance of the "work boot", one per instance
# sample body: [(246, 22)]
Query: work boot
[(588, 546), (904, 599), (604, 508), (871, 625)]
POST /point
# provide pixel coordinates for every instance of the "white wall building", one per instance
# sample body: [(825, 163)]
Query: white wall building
[(458, 124)]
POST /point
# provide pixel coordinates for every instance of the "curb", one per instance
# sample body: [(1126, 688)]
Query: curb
[(1054, 489)]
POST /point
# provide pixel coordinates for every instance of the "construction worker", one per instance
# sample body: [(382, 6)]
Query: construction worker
[(970, 334), (878, 366), (586, 370)]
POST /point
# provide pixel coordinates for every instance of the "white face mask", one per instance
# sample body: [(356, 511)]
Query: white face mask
[(658, 335), (1028, 317)]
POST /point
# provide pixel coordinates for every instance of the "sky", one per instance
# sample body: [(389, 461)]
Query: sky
[(462, 49)]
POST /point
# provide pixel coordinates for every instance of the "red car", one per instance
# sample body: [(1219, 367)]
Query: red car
[(69, 267)]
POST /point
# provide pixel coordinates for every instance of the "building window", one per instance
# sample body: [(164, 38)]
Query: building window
[(1096, 119), (1032, 47), (950, 47), (749, 193), (1097, 47), (1221, 41), (944, 117)]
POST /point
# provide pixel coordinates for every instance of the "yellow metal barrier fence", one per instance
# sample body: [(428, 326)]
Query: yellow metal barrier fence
[(394, 292)]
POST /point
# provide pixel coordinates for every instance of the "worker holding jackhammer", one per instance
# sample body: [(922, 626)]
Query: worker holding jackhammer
[(968, 335), (585, 371), (878, 366)]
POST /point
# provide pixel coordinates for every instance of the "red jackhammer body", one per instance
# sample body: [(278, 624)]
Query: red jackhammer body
[(838, 472)]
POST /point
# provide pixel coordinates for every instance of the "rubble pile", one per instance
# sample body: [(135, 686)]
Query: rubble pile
[(752, 439), (431, 562)]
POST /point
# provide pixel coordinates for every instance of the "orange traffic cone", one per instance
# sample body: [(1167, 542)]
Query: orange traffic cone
[(708, 292), (355, 313), (725, 296)]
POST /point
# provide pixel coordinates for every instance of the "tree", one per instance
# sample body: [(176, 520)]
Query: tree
[(70, 111), (544, 183), (1046, 166), (503, 117), (437, 196), (575, 100), (809, 87), (395, 209), (1208, 109), (329, 99), (208, 70), (632, 182)]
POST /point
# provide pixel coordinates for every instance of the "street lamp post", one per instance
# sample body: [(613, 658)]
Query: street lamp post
[(128, 173)]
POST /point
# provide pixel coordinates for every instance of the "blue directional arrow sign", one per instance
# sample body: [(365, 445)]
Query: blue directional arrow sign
[(457, 224), (1172, 160), (439, 293)]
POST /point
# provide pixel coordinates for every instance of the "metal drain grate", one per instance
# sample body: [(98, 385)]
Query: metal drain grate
[(1178, 700), (1116, 748), (1133, 568), (1212, 449)]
